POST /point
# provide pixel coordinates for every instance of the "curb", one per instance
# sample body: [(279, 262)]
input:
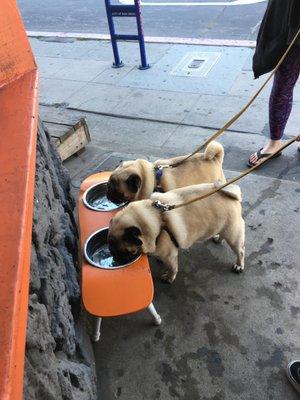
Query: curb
[(148, 39)]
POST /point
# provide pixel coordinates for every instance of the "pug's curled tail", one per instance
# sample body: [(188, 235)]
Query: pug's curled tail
[(214, 150), (233, 191)]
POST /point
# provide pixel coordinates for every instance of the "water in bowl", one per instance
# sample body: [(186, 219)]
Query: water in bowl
[(102, 203), (103, 257)]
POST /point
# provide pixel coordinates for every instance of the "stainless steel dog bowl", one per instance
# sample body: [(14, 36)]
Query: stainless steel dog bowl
[(95, 198), (97, 253)]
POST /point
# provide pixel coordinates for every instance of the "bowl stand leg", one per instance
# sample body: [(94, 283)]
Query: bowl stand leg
[(96, 329), (155, 316)]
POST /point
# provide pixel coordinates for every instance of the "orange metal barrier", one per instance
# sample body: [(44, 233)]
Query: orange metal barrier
[(18, 123)]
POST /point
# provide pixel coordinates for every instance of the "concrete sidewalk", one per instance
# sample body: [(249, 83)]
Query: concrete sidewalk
[(223, 337), (179, 111)]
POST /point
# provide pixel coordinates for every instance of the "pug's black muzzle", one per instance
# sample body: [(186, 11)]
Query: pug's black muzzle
[(115, 196), (121, 256)]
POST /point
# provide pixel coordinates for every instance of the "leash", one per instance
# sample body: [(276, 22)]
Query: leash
[(168, 207), (236, 116)]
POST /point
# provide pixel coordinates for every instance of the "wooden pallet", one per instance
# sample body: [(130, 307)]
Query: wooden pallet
[(69, 138)]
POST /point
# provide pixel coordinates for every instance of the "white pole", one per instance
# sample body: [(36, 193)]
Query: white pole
[(96, 333), (156, 317)]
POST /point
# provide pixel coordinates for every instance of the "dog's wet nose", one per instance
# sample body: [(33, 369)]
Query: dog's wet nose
[(111, 247), (114, 196), (109, 194)]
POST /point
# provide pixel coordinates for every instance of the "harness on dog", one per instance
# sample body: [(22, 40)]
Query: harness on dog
[(172, 237)]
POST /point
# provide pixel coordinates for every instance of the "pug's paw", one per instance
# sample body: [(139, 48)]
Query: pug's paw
[(237, 269), (167, 277), (217, 239)]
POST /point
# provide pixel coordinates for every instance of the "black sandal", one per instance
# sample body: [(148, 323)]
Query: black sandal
[(261, 155)]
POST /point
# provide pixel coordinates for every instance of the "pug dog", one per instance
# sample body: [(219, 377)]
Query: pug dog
[(137, 180), (141, 227)]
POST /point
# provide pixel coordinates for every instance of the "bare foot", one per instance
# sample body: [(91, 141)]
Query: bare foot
[(269, 148)]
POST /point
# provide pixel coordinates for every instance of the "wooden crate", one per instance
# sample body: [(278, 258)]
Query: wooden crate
[(69, 138)]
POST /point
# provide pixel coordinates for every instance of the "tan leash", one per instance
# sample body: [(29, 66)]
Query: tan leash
[(236, 116), (168, 207)]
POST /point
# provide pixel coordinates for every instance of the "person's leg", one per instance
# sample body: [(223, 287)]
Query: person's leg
[(281, 101)]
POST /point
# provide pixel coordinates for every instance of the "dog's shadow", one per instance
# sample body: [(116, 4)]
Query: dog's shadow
[(202, 255), (197, 265)]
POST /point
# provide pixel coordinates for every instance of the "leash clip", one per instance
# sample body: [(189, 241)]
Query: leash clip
[(162, 207)]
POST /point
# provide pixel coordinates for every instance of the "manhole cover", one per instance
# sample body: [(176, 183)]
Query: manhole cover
[(196, 64)]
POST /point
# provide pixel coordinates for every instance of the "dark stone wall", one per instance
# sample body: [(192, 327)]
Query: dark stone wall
[(59, 359)]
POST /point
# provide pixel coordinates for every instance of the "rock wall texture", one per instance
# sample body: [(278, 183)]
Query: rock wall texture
[(59, 359)]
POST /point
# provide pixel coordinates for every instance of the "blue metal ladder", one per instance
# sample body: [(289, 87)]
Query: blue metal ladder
[(126, 10)]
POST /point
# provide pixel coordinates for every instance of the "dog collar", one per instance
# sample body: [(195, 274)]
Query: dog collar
[(158, 173)]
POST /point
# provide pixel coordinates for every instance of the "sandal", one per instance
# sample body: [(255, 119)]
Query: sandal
[(261, 155)]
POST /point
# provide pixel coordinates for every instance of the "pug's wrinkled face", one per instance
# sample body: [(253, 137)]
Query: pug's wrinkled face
[(124, 242), (124, 183)]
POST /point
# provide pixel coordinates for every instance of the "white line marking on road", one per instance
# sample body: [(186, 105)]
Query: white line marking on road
[(148, 39), (191, 4)]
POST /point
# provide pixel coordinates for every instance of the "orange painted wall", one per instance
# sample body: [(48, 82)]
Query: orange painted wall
[(16, 57), (18, 127)]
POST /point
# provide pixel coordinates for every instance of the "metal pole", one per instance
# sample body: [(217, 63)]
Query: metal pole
[(96, 332), (155, 317), (118, 63), (139, 23)]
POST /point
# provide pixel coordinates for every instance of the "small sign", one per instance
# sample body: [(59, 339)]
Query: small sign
[(118, 10), (122, 14)]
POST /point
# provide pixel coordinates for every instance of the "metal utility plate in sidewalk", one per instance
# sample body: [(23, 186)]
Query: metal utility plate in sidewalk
[(215, 75), (196, 64)]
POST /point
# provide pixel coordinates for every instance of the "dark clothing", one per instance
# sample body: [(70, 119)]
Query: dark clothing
[(278, 28), (281, 98)]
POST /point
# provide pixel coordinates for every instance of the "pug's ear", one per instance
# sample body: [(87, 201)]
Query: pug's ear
[(132, 234), (134, 183)]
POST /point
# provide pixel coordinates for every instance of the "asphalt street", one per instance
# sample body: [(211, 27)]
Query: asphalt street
[(230, 19)]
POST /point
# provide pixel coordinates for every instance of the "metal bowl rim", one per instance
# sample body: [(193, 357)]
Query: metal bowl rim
[(100, 266), (85, 202)]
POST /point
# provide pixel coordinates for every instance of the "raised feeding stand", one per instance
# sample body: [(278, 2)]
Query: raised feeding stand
[(108, 291), (128, 10)]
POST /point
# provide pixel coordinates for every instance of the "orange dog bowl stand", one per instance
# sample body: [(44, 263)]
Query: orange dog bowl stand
[(111, 292)]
